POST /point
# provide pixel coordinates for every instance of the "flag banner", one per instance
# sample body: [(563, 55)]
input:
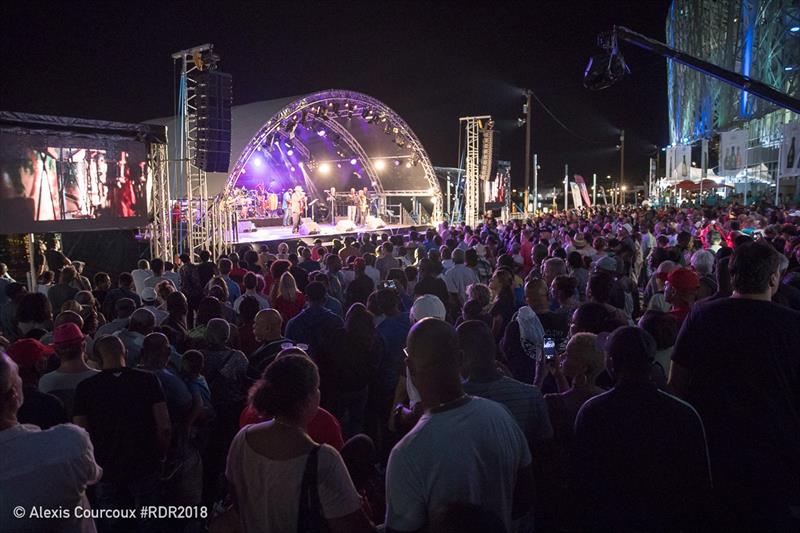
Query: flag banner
[(576, 195), (789, 157), (584, 191), (732, 152)]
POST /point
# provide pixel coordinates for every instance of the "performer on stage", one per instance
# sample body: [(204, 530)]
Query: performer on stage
[(297, 206), (332, 200), (287, 214), (352, 205), (363, 207)]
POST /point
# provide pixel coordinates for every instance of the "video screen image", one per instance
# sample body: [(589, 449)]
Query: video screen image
[(52, 183)]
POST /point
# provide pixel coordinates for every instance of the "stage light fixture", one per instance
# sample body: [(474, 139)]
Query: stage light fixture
[(338, 165), (408, 164), (290, 152), (321, 133), (605, 69), (794, 29), (292, 169), (380, 164), (386, 129), (353, 162), (256, 161), (396, 163), (324, 168)]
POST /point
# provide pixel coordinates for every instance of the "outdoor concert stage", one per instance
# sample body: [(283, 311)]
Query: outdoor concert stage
[(328, 232)]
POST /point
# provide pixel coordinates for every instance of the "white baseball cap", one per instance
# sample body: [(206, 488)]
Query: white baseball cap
[(426, 306)]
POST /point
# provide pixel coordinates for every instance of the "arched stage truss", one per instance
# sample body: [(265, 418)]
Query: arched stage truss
[(340, 139)]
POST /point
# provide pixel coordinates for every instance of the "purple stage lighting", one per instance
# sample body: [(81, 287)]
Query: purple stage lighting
[(353, 162), (256, 161), (321, 133), (290, 152)]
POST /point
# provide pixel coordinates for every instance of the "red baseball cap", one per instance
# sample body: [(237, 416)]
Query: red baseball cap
[(27, 352), (67, 334), (684, 280)]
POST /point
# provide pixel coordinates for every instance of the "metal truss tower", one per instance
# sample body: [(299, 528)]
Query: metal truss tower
[(472, 207), (161, 227), (198, 223)]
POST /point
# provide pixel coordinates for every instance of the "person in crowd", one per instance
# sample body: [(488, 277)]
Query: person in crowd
[(43, 284), (743, 380), (250, 285), (172, 275), (578, 271), (123, 309), (8, 311), (80, 282), (565, 294), (38, 408), (141, 273), (206, 268), (362, 285), (43, 467), (656, 299), (70, 347), (248, 309), (157, 268), (680, 291), (331, 303), (268, 462), (458, 438), (178, 308), (351, 367), (34, 311), (652, 471), (5, 280), (191, 285), (150, 302), (664, 329), (141, 324), (192, 367), (125, 289), (315, 324), (102, 285), (599, 290), (286, 298), (125, 412), (63, 290), (55, 258), (225, 267), (483, 378), (308, 264), (386, 261), (458, 279), (267, 331), (428, 282), (299, 274), (503, 305)]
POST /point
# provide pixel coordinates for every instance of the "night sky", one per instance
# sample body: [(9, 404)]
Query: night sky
[(430, 62)]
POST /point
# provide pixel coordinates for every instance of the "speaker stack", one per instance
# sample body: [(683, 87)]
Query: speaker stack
[(214, 97), (309, 227)]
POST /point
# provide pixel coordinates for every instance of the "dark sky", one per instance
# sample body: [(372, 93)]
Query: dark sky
[(430, 62)]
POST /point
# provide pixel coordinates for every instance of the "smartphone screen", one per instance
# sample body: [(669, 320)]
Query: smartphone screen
[(549, 348)]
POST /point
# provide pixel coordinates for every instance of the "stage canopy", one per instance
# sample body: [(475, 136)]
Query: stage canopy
[(333, 138)]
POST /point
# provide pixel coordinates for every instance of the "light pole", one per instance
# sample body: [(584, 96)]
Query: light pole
[(527, 109), (622, 160)]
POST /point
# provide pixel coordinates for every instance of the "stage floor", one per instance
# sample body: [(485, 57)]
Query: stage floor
[(326, 232)]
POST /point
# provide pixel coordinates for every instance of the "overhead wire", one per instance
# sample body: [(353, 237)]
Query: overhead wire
[(564, 126)]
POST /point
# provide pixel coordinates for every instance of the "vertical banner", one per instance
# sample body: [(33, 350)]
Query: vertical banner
[(732, 152), (584, 191), (679, 162), (576, 195), (789, 158)]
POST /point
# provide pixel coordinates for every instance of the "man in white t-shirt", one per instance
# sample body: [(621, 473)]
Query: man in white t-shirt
[(459, 277), (141, 274), (463, 449), (250, 285), (48, 469)]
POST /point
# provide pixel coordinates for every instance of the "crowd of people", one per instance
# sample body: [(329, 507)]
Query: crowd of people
[(605, 370)]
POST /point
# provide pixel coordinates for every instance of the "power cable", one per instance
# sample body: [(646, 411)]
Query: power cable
[(564, 126)]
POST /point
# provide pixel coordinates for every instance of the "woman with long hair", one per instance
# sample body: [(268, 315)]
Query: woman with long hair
[(503, 304), (280, 478), (286, 299)]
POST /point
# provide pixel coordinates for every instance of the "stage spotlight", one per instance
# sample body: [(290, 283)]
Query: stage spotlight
[(321, 133), (293, 169), (338, 165), (408, 165), (396, 163), (353, 162), (256, 161), (387, 129), (290, 152), (369, 116), (300, 164), (324, 168), (380, 164)]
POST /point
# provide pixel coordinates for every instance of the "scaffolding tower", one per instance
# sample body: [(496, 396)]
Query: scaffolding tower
[(161, 227), (472, 174)]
